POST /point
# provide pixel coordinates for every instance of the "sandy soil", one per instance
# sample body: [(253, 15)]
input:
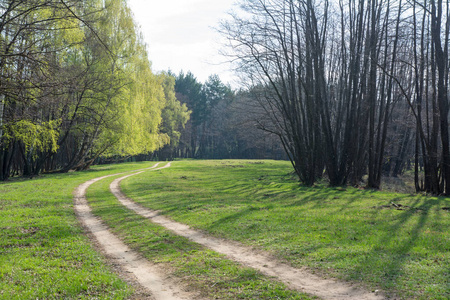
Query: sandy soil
[(298, 279), (152, 278)]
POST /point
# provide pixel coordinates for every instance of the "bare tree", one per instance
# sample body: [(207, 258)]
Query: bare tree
[(330, 75)]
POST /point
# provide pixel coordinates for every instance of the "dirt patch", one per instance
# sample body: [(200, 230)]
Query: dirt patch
[(298, 279), (152, 278), (233, 166), (398, 206)]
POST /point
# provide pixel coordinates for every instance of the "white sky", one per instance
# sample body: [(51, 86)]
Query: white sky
[(180, 35)]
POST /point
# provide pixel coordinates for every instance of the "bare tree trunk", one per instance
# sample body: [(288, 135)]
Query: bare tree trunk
[(2, 107), (442, 98), (372, 94)]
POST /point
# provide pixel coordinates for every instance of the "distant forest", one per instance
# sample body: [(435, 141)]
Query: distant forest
[(345, 90), (223, 124)]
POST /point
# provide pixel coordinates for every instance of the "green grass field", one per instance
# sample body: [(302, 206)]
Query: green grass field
[(356, 235), (44, 253), (200, 270), (352, 234)]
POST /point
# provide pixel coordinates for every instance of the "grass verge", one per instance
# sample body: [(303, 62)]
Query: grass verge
[(44, 253), (399, 243), (200, 270)]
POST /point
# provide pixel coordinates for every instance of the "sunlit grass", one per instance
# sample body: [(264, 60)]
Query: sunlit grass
[(352, 234), (200, 270), (357, 235), (44, 253)]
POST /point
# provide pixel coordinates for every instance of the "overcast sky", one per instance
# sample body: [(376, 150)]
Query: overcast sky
[(180, 35)]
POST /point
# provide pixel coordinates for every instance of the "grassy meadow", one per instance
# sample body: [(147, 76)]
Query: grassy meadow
[(399, 243), (44, 253), (199, 270)]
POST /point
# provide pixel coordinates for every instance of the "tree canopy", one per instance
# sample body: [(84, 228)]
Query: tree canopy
[(76, 84)]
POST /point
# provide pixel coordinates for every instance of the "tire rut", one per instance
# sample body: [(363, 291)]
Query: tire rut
[(147, 274)]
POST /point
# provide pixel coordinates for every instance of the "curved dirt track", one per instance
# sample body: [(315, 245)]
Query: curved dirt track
[(298, 279), (147, 274)]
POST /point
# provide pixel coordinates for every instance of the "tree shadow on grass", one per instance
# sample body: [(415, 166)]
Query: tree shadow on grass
[(385, 257), (320, 198), (390, 259), (231, 218), (389, 253)]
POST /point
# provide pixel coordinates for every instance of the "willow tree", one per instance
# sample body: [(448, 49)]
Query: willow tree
[(122, 98), (76, 84)]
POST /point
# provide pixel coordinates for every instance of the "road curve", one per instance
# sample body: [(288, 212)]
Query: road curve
[(147, 274), (298, 279)]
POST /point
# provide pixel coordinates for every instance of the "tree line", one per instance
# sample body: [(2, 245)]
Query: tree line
[(77, 89), (352, 88), (221, 125), (76, 84), (345, 90)]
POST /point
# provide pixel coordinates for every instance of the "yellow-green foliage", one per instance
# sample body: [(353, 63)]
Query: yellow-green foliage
[(138, 105), (66, 30), (71, 32), (175, 115), (35, 137), (107, 97)]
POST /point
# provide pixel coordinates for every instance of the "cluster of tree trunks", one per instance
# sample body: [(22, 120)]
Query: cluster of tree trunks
[(342, 82)]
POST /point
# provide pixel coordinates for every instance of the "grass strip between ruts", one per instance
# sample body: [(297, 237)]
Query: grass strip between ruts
[(200, 270)]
